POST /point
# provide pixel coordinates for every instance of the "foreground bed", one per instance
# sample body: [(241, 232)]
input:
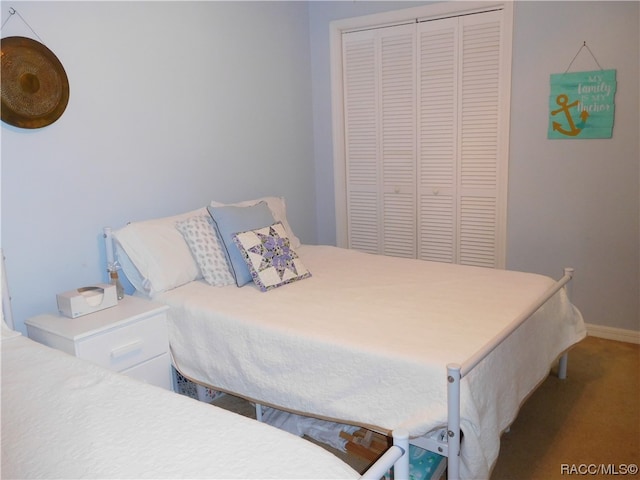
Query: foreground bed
[(65, 418), (400, 346)]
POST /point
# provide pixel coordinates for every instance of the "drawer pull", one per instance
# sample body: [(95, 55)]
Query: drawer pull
[(126, 349)]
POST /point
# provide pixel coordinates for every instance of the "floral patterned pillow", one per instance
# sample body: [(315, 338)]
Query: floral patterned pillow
[(205, 247), (269, 256)]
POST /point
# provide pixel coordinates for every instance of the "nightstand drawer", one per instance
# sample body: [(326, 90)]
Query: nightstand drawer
[(126, 346), (156, 371)]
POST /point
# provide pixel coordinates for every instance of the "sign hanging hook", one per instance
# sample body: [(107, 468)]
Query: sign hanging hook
[(584, 45)]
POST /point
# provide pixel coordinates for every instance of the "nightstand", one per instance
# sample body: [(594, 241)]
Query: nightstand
[(130, 338)]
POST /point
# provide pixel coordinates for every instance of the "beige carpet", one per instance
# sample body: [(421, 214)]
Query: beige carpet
[(591, 418)]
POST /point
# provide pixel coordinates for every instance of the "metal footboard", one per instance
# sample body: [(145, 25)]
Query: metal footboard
[(456, 372)]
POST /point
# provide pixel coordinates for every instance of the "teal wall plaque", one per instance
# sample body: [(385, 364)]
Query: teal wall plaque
[(581, 104)]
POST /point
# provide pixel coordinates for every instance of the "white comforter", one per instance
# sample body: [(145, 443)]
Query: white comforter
[(367, 338), (65, 418)]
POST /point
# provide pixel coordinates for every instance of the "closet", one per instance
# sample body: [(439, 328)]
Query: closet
[(424, 135)]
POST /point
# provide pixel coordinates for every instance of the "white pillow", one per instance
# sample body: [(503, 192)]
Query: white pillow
[(130, 271), (278, 210), (160, 258)]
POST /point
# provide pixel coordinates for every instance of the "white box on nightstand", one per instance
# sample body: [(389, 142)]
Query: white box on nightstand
[(131, 338), (86, 300)]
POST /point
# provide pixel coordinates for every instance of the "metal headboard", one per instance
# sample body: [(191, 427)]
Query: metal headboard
[(7, 314)]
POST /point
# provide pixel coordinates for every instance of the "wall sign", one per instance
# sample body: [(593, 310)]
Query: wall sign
[(581, 104)]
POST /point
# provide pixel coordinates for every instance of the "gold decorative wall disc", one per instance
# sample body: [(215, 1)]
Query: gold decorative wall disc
[(35, 87)]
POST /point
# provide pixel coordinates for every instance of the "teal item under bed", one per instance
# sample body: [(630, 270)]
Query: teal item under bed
[(423, 465)]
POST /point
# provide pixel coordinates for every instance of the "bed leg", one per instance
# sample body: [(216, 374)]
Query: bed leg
[(562, 366), (258, 412), (401, 467), (568, 271), (453, 420)]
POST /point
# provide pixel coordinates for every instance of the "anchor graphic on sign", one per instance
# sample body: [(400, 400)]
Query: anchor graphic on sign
[(574, 129)]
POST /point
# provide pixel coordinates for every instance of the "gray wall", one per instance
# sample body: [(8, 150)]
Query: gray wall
[(576, 202), (172, 105), (571, 202)]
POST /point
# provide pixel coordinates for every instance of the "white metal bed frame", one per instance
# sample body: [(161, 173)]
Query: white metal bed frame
[(447, 441), (448, 444)]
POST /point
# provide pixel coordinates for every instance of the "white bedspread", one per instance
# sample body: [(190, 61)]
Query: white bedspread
[(65, 418), (367, 338)]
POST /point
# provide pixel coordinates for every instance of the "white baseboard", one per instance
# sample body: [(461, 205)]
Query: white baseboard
[(612, 333)]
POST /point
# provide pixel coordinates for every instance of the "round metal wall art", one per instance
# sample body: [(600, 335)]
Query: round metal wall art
[(35, 87)]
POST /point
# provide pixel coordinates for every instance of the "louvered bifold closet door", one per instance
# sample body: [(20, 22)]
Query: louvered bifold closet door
[(479, 167), (437, 140), (360, 71), (380, 138), (458, 146)]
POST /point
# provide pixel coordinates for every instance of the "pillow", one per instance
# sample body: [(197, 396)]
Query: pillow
[(278, 209), (206, 248), (157, 258), (269, 256), (232, 219), (130, 271)]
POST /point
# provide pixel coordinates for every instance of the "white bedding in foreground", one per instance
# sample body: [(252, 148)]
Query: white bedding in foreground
[(367, 338), (65, 418)]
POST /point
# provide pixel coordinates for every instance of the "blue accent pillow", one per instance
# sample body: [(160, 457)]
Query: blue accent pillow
[(231, 219)]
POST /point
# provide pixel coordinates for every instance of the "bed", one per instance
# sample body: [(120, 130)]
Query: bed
[(434, 354), (63, 417)]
